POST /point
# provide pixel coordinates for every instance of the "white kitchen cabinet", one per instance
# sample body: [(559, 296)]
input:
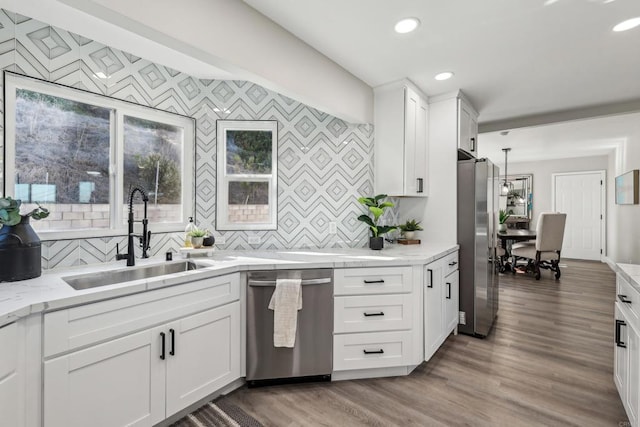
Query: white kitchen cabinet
[(148, 375), (467, 127), (147, 355), (626, 364), (375, 321), (12, 396), (401, 146), (441, 302)]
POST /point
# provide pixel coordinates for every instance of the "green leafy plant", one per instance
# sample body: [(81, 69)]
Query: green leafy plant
[(10, 211), (376, 206), (504, 215), (198, 232), (411, 225)]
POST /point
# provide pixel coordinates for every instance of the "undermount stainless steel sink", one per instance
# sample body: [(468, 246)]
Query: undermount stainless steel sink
[(103, 278)]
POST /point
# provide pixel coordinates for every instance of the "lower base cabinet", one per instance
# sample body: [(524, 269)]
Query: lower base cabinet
[(11, 377), (142, 378), (626, 365)]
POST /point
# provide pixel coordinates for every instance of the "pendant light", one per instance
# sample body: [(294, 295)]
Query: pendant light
[(505, 187)]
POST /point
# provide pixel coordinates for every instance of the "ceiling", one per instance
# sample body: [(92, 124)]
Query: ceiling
[(578, 138), (513, 59)]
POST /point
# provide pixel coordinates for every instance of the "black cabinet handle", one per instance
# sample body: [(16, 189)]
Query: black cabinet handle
[(448, 290), (374, 281), (420, 185), (473, 144), (172, 352), (430, 285), (162, 336), (623, 298), (380, 313), (451, 264), (618, 342), (381, 351)]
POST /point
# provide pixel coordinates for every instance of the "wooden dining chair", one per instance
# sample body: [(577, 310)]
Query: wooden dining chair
[(545, 253)]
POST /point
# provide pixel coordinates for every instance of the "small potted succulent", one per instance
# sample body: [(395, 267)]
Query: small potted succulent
[(409, 228), (502, 219), (197, 237), (375, 207), (20, 248)]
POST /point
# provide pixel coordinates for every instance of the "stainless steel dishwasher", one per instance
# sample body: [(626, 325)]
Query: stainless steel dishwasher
[(311, 358)]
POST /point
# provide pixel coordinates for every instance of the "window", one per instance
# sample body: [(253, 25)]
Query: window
[(77, 153), (247, 175)]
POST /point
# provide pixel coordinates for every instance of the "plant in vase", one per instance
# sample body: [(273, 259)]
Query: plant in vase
[(197, 237), (20, 249), (502, 219), (409, 228), (375, 207)]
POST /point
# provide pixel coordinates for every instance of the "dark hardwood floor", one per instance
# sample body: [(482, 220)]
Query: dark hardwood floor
[(548, 362)]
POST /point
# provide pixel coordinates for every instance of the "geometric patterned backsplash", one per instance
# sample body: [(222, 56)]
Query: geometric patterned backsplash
[(324, 163)]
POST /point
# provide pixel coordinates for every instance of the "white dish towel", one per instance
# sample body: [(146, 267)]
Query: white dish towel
[(285, 303)]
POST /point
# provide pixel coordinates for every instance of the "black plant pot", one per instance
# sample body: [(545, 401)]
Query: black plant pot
[(20, 252), (208, 241), (376, 243)]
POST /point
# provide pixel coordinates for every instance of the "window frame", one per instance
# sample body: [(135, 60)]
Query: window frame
[(223, 178), (119, 109)]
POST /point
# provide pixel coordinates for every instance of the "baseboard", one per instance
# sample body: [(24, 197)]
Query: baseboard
[(358, 374), (612, 265)]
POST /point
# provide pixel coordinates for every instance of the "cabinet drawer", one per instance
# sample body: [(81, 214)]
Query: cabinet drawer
[(628, 297), (366, 281), (373, 313), (371, 350), (76, 327), (450, 263)]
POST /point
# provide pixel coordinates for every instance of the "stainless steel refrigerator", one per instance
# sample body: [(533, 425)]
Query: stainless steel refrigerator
[(478, 196)]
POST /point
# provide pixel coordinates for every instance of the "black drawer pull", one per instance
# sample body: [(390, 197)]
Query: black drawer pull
[(618, 342), (381, 351), (430, 285), (420, 185), (162, 336), (374, 281), (623, 298), (173, 342), (451, 264), (380, 313), (448, 290)]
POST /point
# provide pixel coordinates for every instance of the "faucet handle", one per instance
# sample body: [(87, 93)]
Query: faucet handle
[(120, 256)]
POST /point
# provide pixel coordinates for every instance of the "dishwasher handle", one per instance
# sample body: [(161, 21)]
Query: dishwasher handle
[(271, 283)]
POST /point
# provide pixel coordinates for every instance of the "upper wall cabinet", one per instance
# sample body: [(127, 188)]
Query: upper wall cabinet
[(467, 127), (400, 140)]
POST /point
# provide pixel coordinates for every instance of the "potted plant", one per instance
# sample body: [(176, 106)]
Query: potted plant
[(409, 228), (375, 207), (502, 218), (20, 249), (197, 237)]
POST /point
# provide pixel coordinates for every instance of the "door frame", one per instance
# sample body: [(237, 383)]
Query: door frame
[(603, 204)]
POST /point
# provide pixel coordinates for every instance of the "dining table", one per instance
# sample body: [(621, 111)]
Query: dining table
[(507, 239)]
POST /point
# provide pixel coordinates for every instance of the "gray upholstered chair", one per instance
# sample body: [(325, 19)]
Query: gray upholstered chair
[(546, 251)]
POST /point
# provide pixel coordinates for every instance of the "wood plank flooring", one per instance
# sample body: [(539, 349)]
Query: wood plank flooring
[(548, 362)]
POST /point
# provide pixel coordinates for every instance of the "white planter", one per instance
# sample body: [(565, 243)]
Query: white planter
[(409, 235)]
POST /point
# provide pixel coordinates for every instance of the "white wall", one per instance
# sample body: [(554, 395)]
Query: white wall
[(625, 219), (542, 181)]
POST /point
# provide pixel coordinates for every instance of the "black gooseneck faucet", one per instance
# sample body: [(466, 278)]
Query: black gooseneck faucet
[(145, 238)]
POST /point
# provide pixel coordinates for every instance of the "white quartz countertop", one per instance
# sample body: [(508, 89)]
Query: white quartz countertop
[(51, 292), (631, 272)]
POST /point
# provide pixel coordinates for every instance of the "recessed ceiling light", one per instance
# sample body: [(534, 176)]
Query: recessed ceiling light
[(444, 76), (407, 25), (627, 25)]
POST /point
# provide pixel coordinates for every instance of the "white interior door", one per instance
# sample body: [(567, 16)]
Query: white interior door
[(581, 196)]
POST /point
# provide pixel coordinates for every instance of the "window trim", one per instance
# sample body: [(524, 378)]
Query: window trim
[(119, 109), (223, 179)]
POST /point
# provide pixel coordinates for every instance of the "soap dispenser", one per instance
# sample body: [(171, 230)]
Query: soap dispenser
[(188, 229)]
